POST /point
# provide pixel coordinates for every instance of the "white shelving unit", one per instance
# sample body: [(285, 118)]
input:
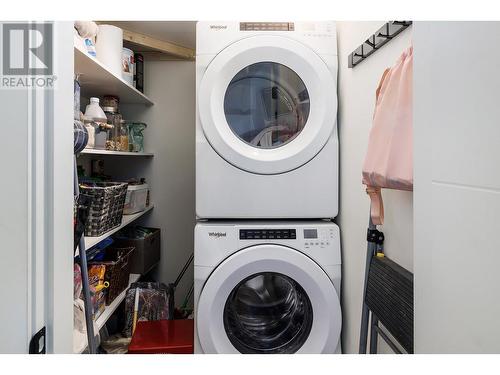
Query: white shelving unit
[(97, 80), (126, 220), (94, 151), (110, 309)]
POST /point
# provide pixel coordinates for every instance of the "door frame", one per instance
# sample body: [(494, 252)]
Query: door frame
[(60, 195)]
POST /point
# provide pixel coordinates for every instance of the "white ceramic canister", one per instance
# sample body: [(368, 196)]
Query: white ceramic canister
[(128, 65), (109, 44)]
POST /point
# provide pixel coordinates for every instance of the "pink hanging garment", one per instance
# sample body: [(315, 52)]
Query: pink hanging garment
[(389, 157)]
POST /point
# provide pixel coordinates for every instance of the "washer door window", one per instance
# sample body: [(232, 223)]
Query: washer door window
[(267, 104), (268, 299), (268, 313)]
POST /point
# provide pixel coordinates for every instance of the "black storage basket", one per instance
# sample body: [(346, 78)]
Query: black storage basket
[(147, 249), (117, 262), (106, 209)]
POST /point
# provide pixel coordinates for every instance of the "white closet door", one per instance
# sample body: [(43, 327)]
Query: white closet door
[(457, 187), (36, 283)]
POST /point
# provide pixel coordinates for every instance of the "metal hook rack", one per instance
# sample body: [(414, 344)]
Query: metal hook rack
[(377, 40)]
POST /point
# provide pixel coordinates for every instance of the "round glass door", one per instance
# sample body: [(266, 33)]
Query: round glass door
[(266, 105), (268, 313), (268, 299)]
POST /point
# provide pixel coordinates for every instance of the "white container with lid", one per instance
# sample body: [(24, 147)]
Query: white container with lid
[(136, 199), (109, 44)]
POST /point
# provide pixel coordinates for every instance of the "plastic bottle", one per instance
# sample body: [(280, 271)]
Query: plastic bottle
[(94, 112)]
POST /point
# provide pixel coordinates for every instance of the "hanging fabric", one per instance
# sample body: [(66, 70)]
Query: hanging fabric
[(389, 157)]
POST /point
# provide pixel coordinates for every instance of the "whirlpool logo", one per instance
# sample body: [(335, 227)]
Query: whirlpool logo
[(218, 27), (217, 234)]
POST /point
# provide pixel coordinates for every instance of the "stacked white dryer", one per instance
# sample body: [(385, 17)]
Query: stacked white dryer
[(267, 156)]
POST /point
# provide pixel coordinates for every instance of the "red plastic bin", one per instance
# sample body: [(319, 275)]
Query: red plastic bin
[(163, 337)]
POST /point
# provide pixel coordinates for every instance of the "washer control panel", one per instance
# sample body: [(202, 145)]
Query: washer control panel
[(268, 234), (311, 238), (321, 238)]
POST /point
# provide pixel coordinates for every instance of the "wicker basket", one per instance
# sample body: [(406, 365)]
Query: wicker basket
[(106, 209), (117, 262)]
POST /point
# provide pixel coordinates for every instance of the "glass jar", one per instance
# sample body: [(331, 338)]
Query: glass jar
[(111, 101), (114, 119), (135, 136), (123, 136)]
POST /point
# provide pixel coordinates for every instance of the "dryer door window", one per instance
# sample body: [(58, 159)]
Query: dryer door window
[(266, 105), (268, 313)]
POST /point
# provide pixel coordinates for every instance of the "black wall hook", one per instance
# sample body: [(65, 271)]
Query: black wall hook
[(377, 40)]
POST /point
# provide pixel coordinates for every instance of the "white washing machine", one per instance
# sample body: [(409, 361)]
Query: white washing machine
[(267, 287), (266, 133)]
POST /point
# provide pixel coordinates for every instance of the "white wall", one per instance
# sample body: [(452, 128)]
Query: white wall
[(457, 187), (356, 103), (170, 136)]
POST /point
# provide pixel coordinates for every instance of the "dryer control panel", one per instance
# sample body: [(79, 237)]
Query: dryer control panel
[(267, 26)]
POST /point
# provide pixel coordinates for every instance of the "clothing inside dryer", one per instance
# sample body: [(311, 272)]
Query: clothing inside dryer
[(266, 104), (268, 313)]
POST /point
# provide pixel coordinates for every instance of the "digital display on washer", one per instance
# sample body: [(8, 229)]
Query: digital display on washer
[(310, 233), (267, 26), (268, 234)]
